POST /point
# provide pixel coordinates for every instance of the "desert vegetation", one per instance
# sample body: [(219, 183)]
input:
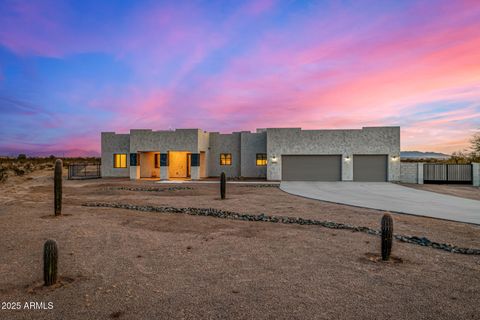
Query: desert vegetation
[(22, 165), (223, 185), (50, 263)]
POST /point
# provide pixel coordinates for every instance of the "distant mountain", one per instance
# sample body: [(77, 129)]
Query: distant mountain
[(423, 155)]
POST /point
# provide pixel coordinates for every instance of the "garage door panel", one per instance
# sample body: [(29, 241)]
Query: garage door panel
[(370, 168), (311, 167)]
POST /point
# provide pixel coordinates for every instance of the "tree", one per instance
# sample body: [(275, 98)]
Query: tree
[(475, 143)]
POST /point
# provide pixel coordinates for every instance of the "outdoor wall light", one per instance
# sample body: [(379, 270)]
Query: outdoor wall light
[(347, 158), (274, 159), (394, 158)]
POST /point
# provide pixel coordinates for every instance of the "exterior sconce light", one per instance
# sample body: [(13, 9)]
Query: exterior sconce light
[(394, 158), (347, 158), (274, 159)]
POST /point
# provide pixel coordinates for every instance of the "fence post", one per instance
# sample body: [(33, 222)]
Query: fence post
[(476, 174), (420, 173)]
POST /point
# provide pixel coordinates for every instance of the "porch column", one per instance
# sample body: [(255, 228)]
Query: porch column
[(195, 166), (134, 166), (164, 166), (347, 167)]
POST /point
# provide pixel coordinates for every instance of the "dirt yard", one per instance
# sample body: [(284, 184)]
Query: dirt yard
[(117, 263), (458, 190)]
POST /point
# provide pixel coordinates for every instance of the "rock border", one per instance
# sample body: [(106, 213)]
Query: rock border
[(151, 189), (260, 185), (217, 213)]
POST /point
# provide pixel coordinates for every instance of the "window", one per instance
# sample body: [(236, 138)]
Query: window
[(225, 159), (261, 159), (157, 160), (120, 160)]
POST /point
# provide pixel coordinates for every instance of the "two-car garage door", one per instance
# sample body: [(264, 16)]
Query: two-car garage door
[(329, 167), (370, 168), (312, 167)]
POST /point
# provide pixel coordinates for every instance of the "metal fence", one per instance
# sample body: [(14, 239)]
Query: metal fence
[(447, 173), (84, 171)]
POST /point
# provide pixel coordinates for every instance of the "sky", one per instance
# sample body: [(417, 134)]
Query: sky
[(72, 69)]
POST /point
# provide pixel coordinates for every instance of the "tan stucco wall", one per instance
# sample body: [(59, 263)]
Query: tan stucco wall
[(245, 145), (251, 144), (114, 143), (224, 143), (368, 140)]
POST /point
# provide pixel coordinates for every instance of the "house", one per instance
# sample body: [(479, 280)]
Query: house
[(367, 154)]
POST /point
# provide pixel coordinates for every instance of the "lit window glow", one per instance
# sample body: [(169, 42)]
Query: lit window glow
[(120, 160), (225, 159), (261, 159)]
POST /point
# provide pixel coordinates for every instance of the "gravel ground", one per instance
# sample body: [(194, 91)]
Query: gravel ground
[(125, 264), (459, 190)]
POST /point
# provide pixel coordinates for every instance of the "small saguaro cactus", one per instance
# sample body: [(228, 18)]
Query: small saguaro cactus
[(57, 186), (223, 185), (50, 262), (387, 235)]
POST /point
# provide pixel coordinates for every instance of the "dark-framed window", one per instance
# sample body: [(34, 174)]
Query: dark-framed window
[(261, 159), (157, 160), (119, 160), (225, 159)]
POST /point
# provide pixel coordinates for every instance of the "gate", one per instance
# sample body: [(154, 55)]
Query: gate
[(447, 173), (84, 171)]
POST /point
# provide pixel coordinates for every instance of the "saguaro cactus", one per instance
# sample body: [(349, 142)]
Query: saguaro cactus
[(223, 185), (50, 262), (387, 234), (58, 186)]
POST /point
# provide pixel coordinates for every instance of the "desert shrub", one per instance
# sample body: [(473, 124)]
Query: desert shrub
[(22, 156), (18, 171), (29, 167), (3, 174)]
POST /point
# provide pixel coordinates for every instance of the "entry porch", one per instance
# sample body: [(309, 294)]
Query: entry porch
[(173, 165)]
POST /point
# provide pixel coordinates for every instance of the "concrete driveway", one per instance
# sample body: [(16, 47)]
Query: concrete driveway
[(389, 197)]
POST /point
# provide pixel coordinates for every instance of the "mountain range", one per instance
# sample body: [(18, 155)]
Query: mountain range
[(423, 155)]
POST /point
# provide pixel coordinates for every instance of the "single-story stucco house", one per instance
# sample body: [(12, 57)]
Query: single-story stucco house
[(367, 154)]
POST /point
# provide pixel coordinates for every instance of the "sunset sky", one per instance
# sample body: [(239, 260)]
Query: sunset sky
[(71, 69)]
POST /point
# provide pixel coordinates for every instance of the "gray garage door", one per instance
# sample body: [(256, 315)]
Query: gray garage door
[(370, 168), (312, 168)]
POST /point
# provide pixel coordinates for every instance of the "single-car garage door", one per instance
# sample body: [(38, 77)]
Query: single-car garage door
[(311, 167), (370, 168)]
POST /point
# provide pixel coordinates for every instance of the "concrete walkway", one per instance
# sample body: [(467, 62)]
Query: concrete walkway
[(389, 197)]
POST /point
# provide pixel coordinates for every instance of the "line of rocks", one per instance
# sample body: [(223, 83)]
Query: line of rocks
[(217, 213), (263, 185), (151, 189)]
